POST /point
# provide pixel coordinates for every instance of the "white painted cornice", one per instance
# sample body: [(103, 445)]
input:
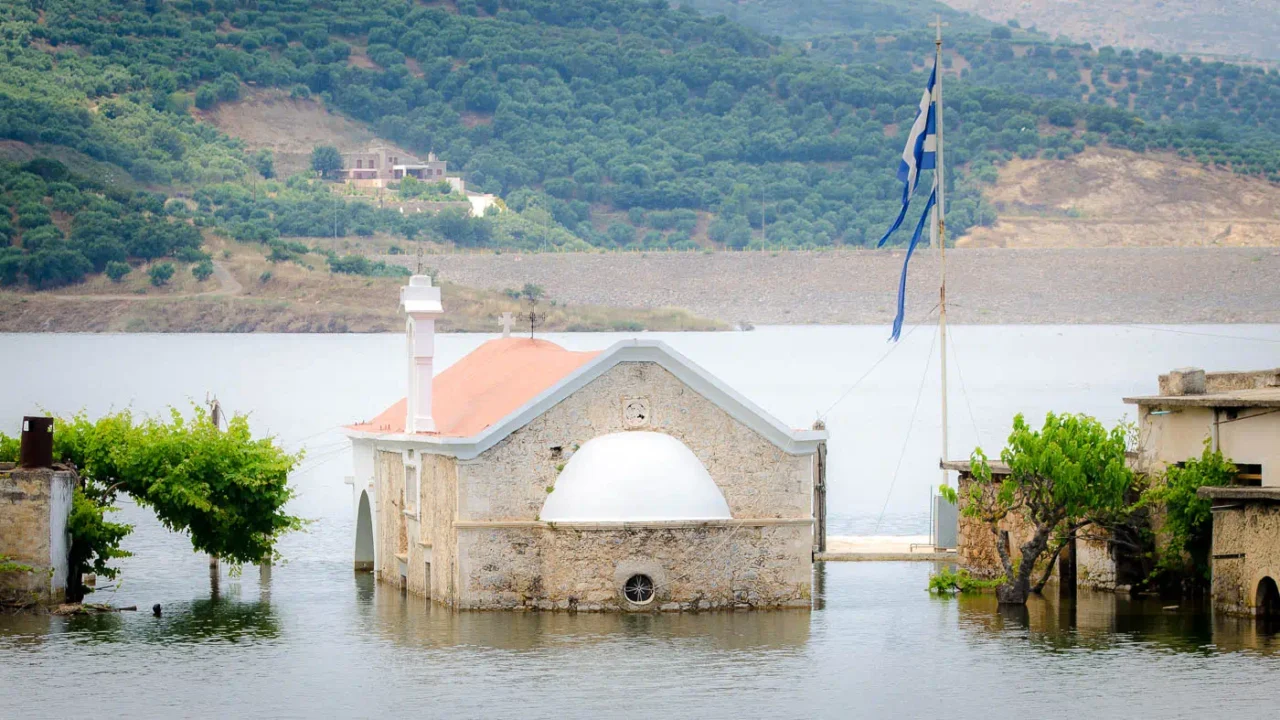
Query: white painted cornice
[(793, 442)]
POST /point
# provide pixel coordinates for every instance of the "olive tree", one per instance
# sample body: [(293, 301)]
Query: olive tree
[(1063, 477), (326, 160)]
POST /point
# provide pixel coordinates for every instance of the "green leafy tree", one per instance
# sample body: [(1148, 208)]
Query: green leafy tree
[(51, 268), (1061, 478), (202, 270), (95, 541), (326, 160), (1188, 523), (224, 489), (160, 273), (531, 295), (264, 162), (117, 270)]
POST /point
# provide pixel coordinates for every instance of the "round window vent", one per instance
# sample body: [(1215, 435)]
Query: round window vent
[(638, 589)]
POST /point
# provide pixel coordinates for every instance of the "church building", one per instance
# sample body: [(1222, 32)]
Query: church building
[(528, 476)]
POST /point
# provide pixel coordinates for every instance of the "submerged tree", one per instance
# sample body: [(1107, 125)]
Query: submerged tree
[(1063, 477), (225, 489)]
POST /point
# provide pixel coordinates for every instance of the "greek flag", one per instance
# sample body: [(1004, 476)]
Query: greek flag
[(921, 153), (902, 282)]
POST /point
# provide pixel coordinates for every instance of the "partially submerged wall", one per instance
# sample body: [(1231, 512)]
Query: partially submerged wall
[(34, 507), (977, 553), (1246, 549), (694, 566)]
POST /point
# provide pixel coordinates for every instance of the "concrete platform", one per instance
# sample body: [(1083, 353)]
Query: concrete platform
[(883, 548)]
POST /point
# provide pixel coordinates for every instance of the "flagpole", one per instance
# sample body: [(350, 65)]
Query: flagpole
[(940, 227)]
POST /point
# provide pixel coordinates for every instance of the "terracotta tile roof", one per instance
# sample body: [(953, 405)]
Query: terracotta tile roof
[(487, 385)]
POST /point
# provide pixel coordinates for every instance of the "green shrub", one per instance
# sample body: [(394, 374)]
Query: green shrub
[(116, 270), (160, 274), (202, 270), (947, 581)]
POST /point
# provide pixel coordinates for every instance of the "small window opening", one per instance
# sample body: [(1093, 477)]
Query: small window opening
[(410, 489), (638, 589), (1248, 474)]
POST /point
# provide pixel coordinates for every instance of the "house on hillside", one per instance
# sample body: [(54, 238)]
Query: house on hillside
[(379, 165), (528, 476)]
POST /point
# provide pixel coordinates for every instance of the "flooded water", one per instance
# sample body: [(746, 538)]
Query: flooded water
[(315, 639)]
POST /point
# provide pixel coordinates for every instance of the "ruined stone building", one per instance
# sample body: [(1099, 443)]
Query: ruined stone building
[(35, 503), (530, 476), (1239, 414)]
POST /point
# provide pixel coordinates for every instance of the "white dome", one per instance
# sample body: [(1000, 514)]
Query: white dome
[(634, 476)]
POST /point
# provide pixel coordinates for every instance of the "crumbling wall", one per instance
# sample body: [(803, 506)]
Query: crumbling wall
[(976, 550), (1246, 549), (34, 507)]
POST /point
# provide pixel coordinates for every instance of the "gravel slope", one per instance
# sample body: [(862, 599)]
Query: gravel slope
[(985, 286)]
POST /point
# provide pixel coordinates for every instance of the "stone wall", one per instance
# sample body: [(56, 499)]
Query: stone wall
[(693, 567), (528, 564), (758, 480), (440, 548), (976, 548), (1246, 549), (34, 506), (976, 544), (391, 535)]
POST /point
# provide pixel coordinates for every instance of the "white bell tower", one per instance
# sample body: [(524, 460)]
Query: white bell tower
[(421, 305)]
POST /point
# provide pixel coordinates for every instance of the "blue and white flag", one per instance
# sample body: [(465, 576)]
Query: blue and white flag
[(902, 282), (921, 151)]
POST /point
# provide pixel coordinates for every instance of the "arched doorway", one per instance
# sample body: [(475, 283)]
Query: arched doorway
[(364, 535), (1267, 603)]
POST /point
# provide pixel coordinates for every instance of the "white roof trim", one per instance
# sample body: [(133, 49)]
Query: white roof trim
[(793, 442)]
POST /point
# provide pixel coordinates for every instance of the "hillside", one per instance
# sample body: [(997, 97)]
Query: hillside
[(811, 18), (1224, 28), (288, 127), (601, 123), (1115, 198), (247, 292)]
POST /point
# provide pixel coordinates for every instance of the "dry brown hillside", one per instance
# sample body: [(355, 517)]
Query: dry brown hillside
[(1116, 198), (1229, 28), (289, 127)]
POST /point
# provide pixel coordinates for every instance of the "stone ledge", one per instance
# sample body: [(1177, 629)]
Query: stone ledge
[(1263, 494), (629, 525), (948, 556)]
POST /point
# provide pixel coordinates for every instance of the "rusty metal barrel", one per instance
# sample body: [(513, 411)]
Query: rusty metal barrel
[(36, 450)]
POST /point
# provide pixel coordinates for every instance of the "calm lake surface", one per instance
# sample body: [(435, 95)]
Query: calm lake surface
[(314, 639)]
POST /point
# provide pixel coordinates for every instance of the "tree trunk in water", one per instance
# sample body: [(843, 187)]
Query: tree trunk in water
[(1014, 592), (1016, 589)]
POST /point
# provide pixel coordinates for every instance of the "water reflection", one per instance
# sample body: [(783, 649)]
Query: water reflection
[(214, 620), (1101, 621), (412, 621)]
